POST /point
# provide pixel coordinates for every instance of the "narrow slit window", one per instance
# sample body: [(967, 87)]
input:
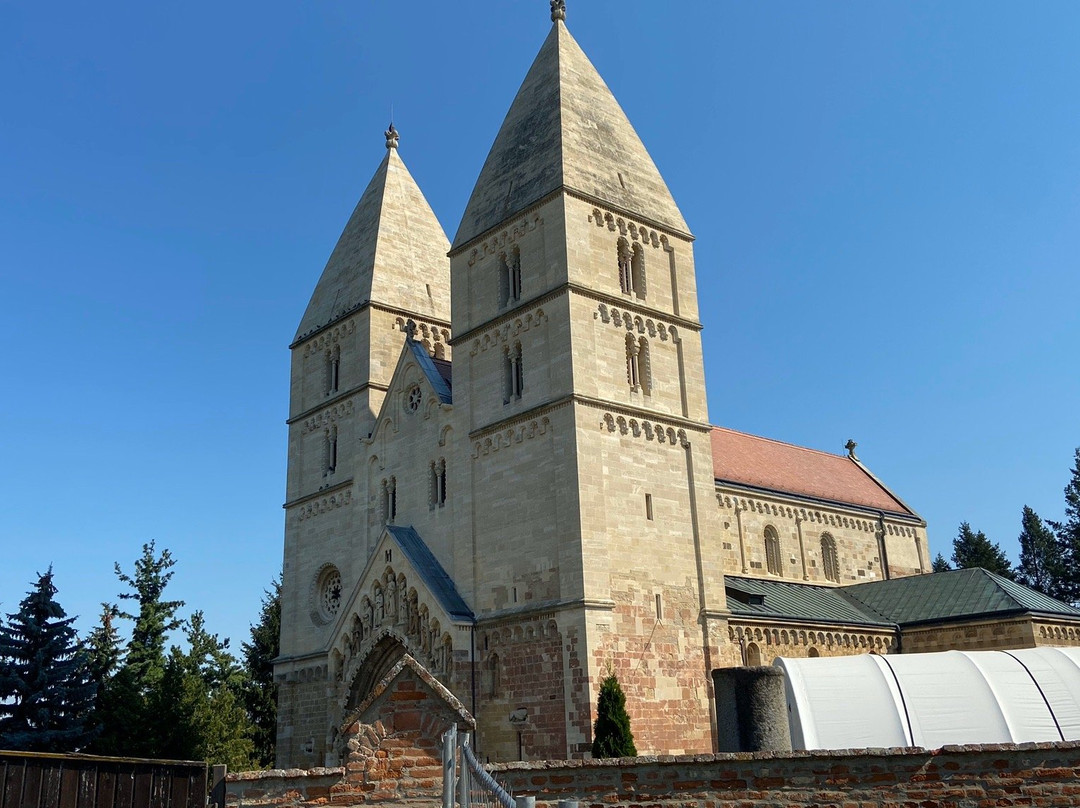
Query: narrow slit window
[(648, 509)]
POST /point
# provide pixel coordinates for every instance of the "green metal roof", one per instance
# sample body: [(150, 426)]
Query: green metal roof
[(952, 595), (774, 598)]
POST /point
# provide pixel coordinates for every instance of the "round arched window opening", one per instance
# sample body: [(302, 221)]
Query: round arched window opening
[(413, 398), (328, 593)]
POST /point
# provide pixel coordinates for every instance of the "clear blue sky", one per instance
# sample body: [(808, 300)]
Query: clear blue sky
[(886, 198)]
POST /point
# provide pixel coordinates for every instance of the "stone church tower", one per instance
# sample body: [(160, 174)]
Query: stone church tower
[(553, 504)]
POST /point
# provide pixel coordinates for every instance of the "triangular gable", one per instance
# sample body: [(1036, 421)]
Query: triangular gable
[(438, 384), (408, 667)]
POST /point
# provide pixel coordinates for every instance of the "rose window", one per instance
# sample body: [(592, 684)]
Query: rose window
[(330, 593), (413, 400)]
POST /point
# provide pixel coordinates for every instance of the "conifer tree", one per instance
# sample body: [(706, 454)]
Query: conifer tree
[(941, 564), (973, 549), (260, 694), (199, 702), (611, 732), (1041, 564), (46, 687), (129, 725), (1068, 534)]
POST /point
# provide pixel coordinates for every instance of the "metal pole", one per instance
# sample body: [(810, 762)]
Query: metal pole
[(449, 753), (464, 775)]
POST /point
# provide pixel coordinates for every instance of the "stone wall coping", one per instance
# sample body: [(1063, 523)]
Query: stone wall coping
[(285, 774), (722, 757)]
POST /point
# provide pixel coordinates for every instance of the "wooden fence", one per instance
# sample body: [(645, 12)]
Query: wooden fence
[(37, 780)]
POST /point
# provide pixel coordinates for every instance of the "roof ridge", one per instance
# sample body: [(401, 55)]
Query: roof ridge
[(731, 431)]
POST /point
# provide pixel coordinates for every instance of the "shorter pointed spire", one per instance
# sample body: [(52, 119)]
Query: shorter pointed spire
[(558, 10), (392, 137)]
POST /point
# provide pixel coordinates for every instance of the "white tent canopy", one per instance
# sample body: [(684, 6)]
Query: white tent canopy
[(929, 700)]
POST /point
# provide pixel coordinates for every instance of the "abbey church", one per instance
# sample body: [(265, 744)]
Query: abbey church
[(500, 466)]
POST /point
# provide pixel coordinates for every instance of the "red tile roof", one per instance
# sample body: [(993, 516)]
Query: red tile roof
[(763, 463)]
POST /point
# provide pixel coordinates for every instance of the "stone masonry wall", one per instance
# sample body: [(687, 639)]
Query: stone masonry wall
[(991, 776), (1044, 775)]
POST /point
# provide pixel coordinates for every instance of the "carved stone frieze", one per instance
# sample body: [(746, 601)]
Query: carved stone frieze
[(755, 505), (508, 330), (644, 429), (517, 433), (509, 235), (635, 322), (321, 505), (328, 416), (627, 227), (330, 337)]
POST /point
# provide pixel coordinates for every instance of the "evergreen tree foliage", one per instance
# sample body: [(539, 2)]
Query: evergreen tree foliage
[(199, 703), (1068, 535), (260, 694), (941, 564), (611, 732), (973, 549), (126, 709), (46, 686), (1041, 564)]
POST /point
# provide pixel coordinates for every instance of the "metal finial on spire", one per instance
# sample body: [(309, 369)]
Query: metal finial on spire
[(850, 446), (391, 137), (558, 10)]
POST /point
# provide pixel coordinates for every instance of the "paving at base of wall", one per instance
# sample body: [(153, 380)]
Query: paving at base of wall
[(997, 776)]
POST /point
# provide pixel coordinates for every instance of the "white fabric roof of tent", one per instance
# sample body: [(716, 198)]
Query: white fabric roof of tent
[(930, 700)]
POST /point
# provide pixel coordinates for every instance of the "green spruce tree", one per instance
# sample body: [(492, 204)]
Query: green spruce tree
[(1068, 535), (199, 702), (611, 733), (260, 694), (46, 686), (1041, 564), (973, 549), (941, 564), (129, 723)]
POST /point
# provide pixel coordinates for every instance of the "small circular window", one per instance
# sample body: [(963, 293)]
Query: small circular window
[(413, 397), (327, 594)]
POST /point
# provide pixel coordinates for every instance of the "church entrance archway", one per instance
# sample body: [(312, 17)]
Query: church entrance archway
[(386, 653)]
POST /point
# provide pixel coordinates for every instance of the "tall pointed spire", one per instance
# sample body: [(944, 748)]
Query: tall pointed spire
[(565, 129), (392, 251)]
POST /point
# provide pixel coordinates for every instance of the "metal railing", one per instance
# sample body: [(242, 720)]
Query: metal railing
[(463, 773)]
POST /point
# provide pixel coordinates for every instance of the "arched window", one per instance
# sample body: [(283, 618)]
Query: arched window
[(632, 367), (644, 366), (626, 278), (389, 507), (637, 271), (829, 562), (333, 369), (330, 450), (813, 653), (753, 655), (514, 281), (772, 551), (504, 280), (438, 483), (515, 377)]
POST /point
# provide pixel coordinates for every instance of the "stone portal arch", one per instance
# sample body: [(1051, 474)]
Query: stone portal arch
[(384, 653)]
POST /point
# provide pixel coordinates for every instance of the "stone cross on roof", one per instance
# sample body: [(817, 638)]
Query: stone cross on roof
[(558, 10), (850, 446), (391, 137)]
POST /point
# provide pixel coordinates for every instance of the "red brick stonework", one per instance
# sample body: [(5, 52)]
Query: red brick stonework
[(391, 747)]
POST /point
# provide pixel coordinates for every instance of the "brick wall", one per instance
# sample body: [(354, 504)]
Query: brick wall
[(1043, 775)]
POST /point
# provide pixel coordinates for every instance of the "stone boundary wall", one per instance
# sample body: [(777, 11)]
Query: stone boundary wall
[(1038, 775), (1042, 775), (282, 787)]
